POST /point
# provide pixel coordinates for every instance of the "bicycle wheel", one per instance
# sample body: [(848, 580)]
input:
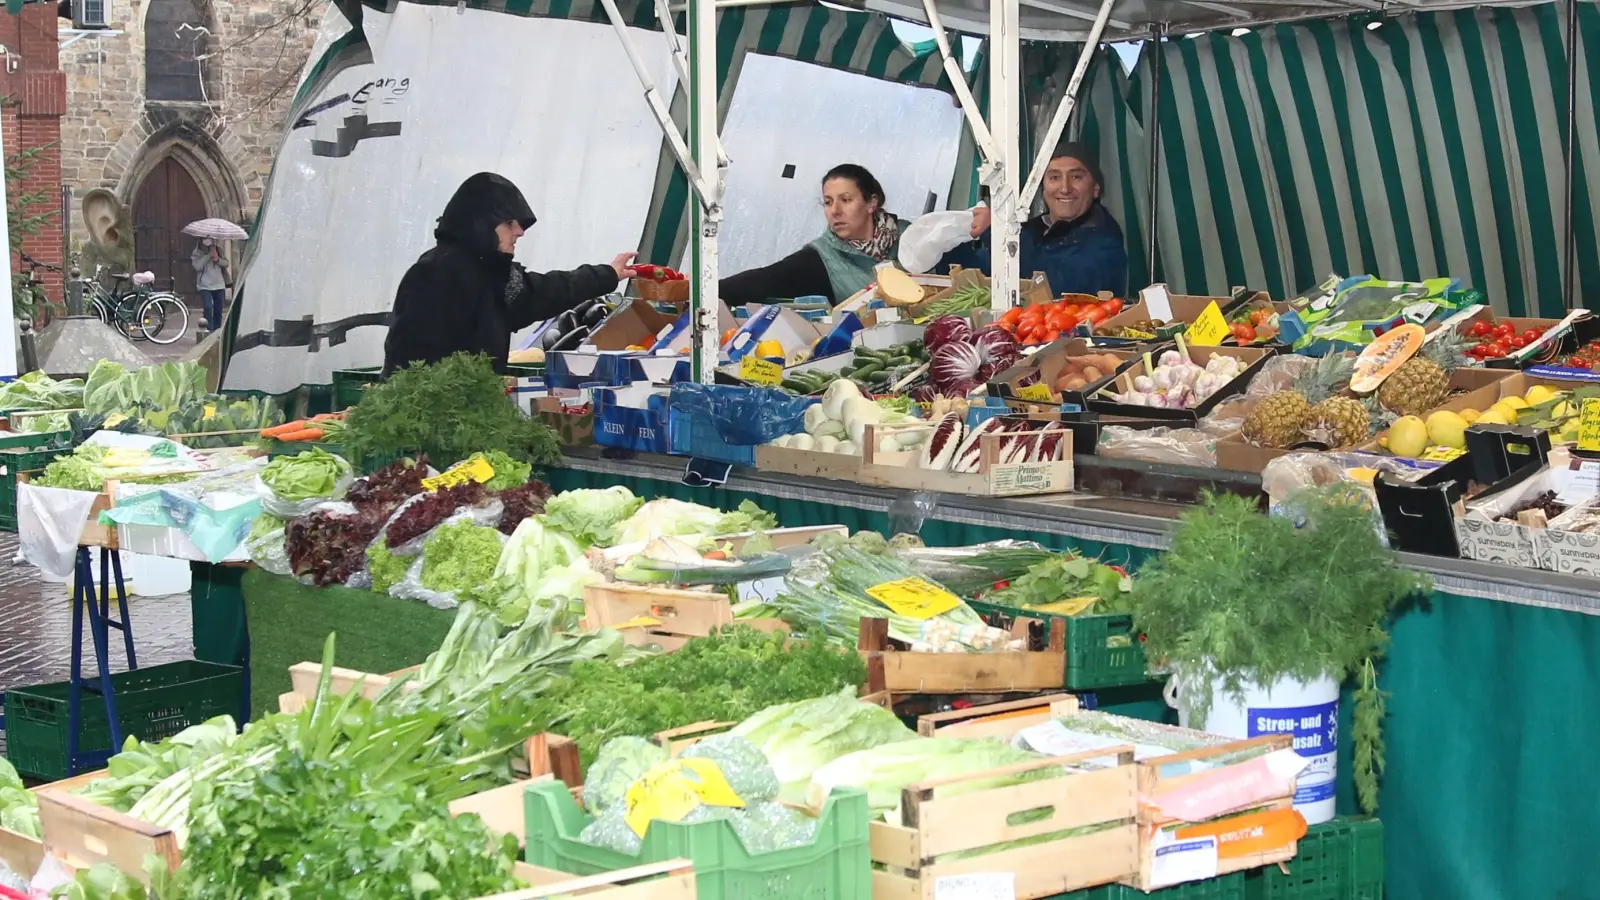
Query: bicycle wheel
[(98, 308), (163, 318)]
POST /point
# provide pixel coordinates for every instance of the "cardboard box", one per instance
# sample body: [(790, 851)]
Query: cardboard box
[(1045, 365), (628, 326), (1185, 309), (570, 416), (1253, 359), (1030, 291)]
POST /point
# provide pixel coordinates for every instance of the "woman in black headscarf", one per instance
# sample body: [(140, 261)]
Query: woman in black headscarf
[(468, 294)]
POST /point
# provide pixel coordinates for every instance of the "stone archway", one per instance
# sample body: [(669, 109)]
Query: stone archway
[(198, 152)]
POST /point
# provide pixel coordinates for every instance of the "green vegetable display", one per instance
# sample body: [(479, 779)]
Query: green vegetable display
[(102, 881), (19, 808), (386, 569), (800, 738), (1068, 577), (38, 391), (725, 677), (141, 766), (1254, 598), (459, 556), (311, 475), (508, 472), (76, 471), (591, 515), (449, 411), (887, 769), (112, 388)]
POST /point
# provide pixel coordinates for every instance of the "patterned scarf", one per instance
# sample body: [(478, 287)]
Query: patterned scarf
[(885, 231)]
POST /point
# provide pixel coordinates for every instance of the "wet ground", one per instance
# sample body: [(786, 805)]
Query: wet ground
[(36, 627)]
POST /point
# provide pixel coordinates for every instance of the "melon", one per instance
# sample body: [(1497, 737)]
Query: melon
[(897, 288), (1384, 355)]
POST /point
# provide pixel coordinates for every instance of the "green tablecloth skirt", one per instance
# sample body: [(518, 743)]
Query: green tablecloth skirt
[(1488, 700)]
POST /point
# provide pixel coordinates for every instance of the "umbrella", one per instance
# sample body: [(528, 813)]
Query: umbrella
[(216, 229)]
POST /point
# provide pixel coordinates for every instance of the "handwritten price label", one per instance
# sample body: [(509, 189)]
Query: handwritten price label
[(1442, 454), (760, 371), (475, 469), (914, 598), (674, 789), (1210, 328), (1589, 424), (1039, 393)]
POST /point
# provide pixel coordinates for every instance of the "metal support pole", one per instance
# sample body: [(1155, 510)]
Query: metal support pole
[(707, 215), (1069, 101), (1569, 270), (680, 59), (1157, 34), (981, 135), (1000, 174)]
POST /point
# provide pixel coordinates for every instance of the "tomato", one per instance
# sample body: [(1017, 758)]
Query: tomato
[(1259, 316), (1011, 316), (1051, 336), (1243, 332), (1073, 309), (1517, 343), (1531, 335), (1069, 322), (1504, 330), (1476, 351), (1113, 306), (1494, 349), (1095, 315), (1480, 329)]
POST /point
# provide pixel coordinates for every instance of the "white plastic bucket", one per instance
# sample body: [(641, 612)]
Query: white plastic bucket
[(154, 576), (1309, 712)]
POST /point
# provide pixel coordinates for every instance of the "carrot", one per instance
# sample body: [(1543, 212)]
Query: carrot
[(285, 428), (305, 434), (327, 417)]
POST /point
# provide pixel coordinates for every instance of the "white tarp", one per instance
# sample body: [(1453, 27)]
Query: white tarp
[(550, 104)]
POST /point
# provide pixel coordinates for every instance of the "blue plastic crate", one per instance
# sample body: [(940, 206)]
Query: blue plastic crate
[(694, 434)]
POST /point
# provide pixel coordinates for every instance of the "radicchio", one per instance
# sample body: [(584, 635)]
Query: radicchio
[(940, 447), (384, 490), (952, 364), (997, 348), (924, 393), (519, 503), (970, 453), (947, 330)]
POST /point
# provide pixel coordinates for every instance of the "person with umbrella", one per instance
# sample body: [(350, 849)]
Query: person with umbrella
[(211, 265)]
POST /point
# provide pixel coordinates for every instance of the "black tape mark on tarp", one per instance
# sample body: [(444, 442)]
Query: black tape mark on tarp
[(306, 333)]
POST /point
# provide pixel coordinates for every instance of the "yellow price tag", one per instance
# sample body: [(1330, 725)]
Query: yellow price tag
[(914, 598), (637, 622), (1442, 454), (756, 370), (1074, 606), (475, 469), (1589, 424), (674, 789), (1039, 393), (1210, 329)]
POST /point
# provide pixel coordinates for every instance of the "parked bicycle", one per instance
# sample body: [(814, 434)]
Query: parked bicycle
[(31, 301), (132, 307)]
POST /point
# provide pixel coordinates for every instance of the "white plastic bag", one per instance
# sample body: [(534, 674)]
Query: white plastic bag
[(928, 239), (49, 523)]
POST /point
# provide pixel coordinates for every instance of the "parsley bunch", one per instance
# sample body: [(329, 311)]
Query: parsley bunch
[(726, 677), (448, 410), (1256, 599)]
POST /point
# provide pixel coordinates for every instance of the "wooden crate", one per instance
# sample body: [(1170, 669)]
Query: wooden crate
[(910, 672), (85, 833), (1269, 815), (808, 463), (669, 617), (907, 857), (94, 534), (993, 478)]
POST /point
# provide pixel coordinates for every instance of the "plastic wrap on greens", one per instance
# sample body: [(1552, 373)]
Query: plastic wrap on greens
[(741, 763), (799, 738), (765, 826), (612, 832), (621, 762)]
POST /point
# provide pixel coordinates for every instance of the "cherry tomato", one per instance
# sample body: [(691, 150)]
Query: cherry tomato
[(1113, 306), (1517, 343), (1477, 351), (1095, 315), (1531, 335), (1494, 350), (1244, 332), (1480, 329)]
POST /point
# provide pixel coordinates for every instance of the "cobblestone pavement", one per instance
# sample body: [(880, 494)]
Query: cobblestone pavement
[(36, 627)]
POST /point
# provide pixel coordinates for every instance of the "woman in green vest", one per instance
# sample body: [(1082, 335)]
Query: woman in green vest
[(861, 235)]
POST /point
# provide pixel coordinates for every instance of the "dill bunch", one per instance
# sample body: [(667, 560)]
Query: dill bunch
[(1255, 599)]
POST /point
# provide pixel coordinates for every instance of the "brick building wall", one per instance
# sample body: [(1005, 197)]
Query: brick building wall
[(112, 135), (32, 82)]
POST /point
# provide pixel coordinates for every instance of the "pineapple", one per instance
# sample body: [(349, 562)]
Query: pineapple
[(1277, 421), (1280, 419), (1338, 422), (1423, 382)]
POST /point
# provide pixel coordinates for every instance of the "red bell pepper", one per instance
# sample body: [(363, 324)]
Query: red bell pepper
[(648, 271)]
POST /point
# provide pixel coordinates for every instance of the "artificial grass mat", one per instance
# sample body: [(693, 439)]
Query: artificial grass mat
[(289, 622)]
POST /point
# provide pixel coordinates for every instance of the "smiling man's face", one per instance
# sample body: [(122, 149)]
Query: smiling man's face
[(1069, 188)]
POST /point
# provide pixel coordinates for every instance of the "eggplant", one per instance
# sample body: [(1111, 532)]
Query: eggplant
[(572, 340), (567, 321), (549, 337), (595, 314)]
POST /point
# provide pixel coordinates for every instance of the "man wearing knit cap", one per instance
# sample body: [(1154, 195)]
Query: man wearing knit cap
[(1076, 242)]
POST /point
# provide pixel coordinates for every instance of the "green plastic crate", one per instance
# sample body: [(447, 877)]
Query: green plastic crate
[(16, 460), (1092, 662), (835, 866), (1338, 860), (152, 703)]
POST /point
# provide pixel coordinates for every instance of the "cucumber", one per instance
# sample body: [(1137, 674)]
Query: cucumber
[(868, 370), (899, 361)]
